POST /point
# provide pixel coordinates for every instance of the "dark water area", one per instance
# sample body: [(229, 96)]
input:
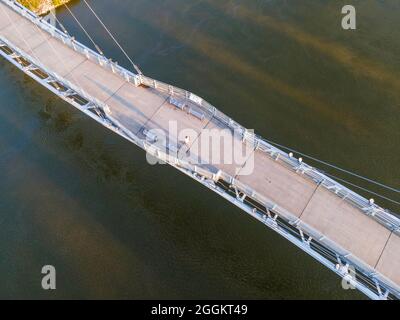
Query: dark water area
[(75, 196)]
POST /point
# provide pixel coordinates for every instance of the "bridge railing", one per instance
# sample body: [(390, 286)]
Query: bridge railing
[(363, 204), (70, 89), (378, 213), (70, 41), (381, 215), (342, 255), (311, 235)]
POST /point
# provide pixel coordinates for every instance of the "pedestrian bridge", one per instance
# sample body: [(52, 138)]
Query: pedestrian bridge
[(351, 235)]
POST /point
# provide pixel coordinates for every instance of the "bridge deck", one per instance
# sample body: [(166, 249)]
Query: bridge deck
[(141, 107)]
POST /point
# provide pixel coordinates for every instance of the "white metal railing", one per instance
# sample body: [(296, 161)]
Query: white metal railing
[(72, 88), (374, 211), (70, 41), (371, 209)]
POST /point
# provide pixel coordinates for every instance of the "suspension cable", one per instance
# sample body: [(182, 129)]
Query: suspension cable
[(59, 22), (113, 38), (336, 167), (56, 54), (84, 30), (362, 188)]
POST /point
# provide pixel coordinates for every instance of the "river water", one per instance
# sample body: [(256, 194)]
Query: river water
[(75, 196)]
